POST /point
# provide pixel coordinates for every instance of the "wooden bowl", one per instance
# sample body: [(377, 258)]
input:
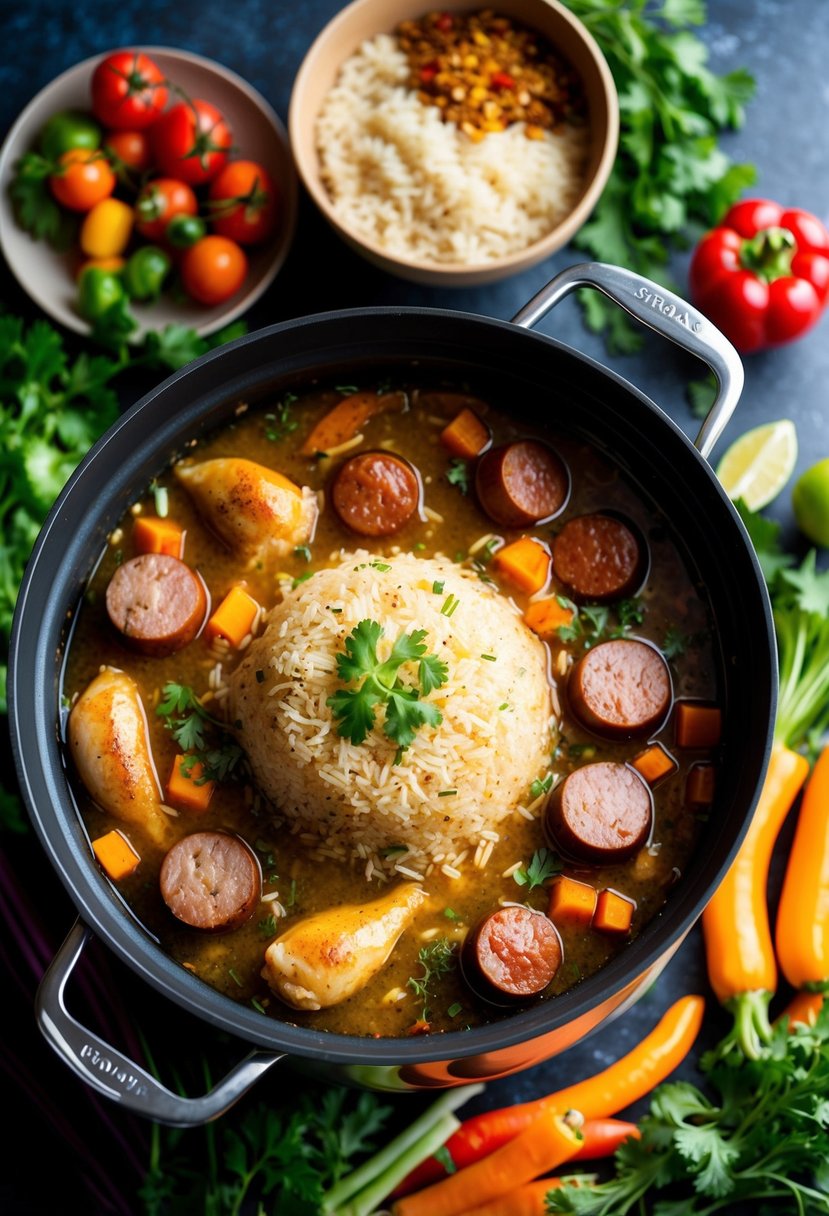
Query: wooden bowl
[(365, 19)]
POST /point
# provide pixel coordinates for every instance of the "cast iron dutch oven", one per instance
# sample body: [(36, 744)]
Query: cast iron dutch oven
[(543, 380)]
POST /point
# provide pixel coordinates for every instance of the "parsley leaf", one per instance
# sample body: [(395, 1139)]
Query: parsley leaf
[(543, 865), (405, 712), (34, 206), (203, 738), (457, 474), (675, 643)]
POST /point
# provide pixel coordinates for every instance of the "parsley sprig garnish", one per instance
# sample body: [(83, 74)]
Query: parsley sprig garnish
[(381, 685), (593, 623), (204, 739), (436, 959), (544, 864)]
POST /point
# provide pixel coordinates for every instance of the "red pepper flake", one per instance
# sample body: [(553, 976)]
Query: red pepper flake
[(502, 80), (444, 22), (428, 72)]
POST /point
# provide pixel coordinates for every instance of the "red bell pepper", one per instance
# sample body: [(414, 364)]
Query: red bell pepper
[(762, 276)]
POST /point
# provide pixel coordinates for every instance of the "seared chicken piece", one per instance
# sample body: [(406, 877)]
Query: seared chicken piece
[(256, 511), (108, 741), (325, 958)]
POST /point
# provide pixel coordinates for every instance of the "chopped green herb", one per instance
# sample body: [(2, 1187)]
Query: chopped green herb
[(162, 500), (446, 793), (457, 474), (291, 900), (260, 676), (436, 959), (347, 390), (630, 613), (450, 604), (233, 975), (452, 1012), (587, 750), (267, 927), (675, 643), (281, 422), (419, 546), (303, 551), (203, 738), (301, 578), (119, 556), (257, 1005), (381, 566), (380, 684), (450, 914), (543, 865), (504, 705), (394, 850), (542, 786), (597, 616), (459, 557), (437, 587), (336, 611), (490, 658)]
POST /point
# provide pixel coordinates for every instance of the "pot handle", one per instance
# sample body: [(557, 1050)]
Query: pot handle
[(663, 311), (113, 1074)]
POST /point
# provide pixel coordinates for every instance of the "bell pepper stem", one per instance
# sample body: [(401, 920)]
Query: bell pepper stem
[(769, 253)]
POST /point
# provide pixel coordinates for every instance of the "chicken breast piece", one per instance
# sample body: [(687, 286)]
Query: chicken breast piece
[(325, 958), (255, 510), (109, 743)]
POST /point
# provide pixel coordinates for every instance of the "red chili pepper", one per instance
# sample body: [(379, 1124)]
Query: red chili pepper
[(762, 276), (502, 80)]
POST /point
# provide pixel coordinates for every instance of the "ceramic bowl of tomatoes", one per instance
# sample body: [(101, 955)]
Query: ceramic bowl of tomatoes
[(149, 182)]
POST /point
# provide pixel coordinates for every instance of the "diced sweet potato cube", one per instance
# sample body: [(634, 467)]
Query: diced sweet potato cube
[(700, 786), (614, 912), (654, 764), (466, 435), (116, 855), (697, 725), (525, 563), (572, 901), (233, 619), (546, 617), (183, 788), (154, 535)]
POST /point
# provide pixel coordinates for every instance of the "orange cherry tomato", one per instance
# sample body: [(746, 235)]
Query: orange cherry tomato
[(84, 179), (213, 269), (158, 202), (243, 203), (130, 149)]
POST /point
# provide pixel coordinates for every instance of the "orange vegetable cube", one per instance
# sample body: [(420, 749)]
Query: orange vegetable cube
[(116, 855), (525, 563), (153, 535), (614, 912), (697, 724), (700, 786), (466, 435), (572, 901), (183, 789), (233, 619), (654, 764), (546, 617)]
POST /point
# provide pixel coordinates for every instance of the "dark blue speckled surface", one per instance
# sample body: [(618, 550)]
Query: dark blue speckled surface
[(785, 43)]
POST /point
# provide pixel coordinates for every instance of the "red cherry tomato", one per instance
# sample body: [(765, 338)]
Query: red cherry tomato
[(213, 269), (243, 203), (84, 179), (128, 91), (130, 149), (191, 142), (158, 202)]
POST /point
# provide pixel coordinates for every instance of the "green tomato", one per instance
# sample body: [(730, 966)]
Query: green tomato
[(66, 130), (184, 230), (810, 499), (98, 290), (145, 272)]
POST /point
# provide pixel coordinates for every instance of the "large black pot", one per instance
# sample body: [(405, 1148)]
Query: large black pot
[(544, 380)]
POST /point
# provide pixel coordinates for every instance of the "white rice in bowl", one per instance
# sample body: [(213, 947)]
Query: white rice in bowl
[(351, 800), (401, 177)]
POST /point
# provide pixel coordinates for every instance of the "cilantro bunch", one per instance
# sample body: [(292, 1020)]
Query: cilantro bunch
[(381, 685), (670, 174)]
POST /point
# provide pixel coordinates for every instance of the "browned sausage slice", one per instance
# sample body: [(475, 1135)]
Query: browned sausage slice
[(156, 603), (375, 493), (522, 483), (620, 688), (598, 557), (512, 954), (211, 880), (601, 813)]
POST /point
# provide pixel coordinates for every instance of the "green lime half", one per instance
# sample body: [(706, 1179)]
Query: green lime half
[(810, 499), (757, 465)]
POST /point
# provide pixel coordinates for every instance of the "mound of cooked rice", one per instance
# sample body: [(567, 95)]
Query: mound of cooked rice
[(458, 782), (400, 176)]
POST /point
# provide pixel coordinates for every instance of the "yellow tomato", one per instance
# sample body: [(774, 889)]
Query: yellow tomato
[(107, 229)]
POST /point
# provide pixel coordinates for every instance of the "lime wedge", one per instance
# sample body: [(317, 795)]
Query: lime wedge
[(758, 464)]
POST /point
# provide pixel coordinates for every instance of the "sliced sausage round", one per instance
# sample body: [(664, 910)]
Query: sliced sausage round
[(598, 557), (522, 483), (375, 493), (601, 813), (511, 955), (157, 603), (211, 880), (620, 689)]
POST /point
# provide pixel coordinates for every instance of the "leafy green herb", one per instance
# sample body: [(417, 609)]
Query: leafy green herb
[(450, 914), (542, 786), (291, 900), (257, 1005), (436, 959), (701, 394), (347, 390), (235, 977), (12, 818), (764, 535), (447, 793), (380, 684), (303, 551), (594, 623), (394, 850), (267, 926), (450, 604), (669, 173), (630, 613), (203, 738), (381, 566), (762, 1140), (675, 643), (490, 658), (280, 422), (34, 206), (543, 865), (301, 578), (457, 474), (437, 587)]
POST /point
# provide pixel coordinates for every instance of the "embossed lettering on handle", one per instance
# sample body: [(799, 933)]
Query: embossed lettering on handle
[(664, 312), (118, 1078)]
